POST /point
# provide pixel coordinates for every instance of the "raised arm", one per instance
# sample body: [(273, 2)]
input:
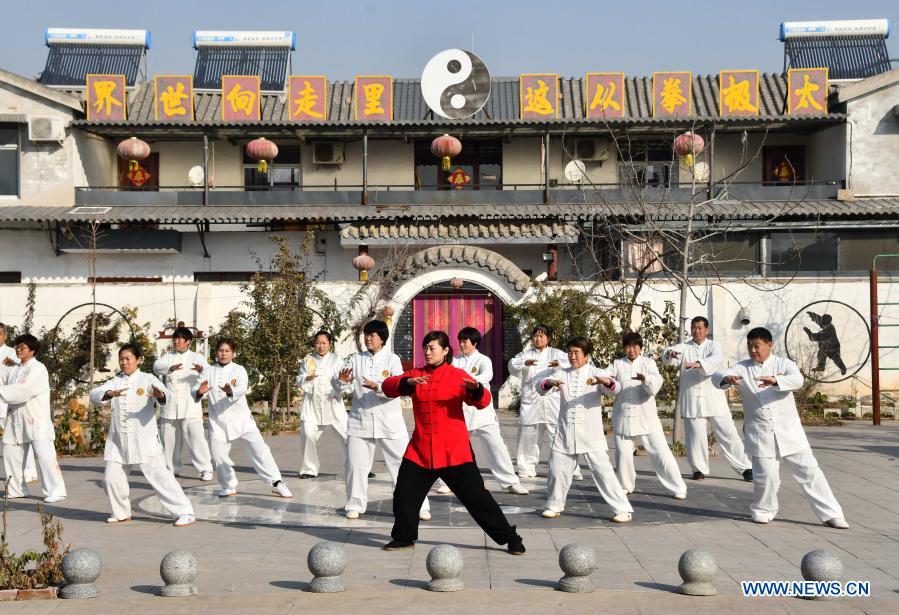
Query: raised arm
[(240, 388), (516, 364), (36, 383), (653, 379), (791, 379), (712, 363)]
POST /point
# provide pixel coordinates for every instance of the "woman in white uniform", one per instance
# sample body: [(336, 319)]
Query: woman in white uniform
[(323, 408), (133, 439), (8, 361), (226, 383)]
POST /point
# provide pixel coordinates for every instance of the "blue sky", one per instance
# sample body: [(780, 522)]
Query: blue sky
[(342, 39)]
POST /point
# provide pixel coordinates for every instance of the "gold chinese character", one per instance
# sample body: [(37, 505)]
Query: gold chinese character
[(104, 90), (373, 93), (604, 97), (806, 94), (537, 101), (736, 96), (171, 100), (306, 101), (672, 94), (241, 100)]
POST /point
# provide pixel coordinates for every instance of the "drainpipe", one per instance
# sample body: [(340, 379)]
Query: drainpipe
[(365, 167), (205, 169), (546, 168)]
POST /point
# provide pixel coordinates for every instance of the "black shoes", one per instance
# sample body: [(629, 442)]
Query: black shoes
[(747, 475), (307, 475), (398, 545), (516, 546), (698, 476), (371, 474)]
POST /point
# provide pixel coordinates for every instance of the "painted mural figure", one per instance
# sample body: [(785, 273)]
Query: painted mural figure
[(828, 342)]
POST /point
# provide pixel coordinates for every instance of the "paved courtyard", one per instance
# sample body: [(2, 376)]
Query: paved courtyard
[(252, 549)]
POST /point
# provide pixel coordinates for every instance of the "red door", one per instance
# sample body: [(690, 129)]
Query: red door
[(452, 312)]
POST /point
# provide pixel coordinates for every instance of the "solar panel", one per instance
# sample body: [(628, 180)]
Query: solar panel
[(68, 65), (272, 64), (846, 57)]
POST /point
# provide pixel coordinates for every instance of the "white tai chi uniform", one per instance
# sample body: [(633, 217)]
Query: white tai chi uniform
[(483, 424), (229, 420), (133, 440), (322, 408), (774, 433), (700, 402), (636, 417), (538, 413), (374, 419), (6, 352), (580, 432), (29, 422), (182, 417)]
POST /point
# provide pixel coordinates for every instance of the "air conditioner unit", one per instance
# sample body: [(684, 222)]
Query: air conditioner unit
[(591, 149), (327, 152), (46, 129)]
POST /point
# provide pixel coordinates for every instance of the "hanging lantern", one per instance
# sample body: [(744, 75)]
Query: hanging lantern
[(457, 283), (387, 313), (133, 150), (363, 263), (263, 152), (688, 145), (446, 147)]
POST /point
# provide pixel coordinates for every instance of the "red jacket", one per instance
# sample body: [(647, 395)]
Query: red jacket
[(440, 438)]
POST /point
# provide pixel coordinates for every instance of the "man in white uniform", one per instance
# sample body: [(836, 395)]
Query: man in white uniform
[(323, 408), (374, 419), (483, 424), (774, 432), (29, 421), (636, 417), (8, 362), (538, 413), (702, 403), (182, 417)]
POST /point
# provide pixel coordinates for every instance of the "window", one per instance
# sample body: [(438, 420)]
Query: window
[(10, 277), (480, 161), (783, 164), (858, 249), (124, 280), (803, 251), (9, 160), (648, 163), (283, 173)]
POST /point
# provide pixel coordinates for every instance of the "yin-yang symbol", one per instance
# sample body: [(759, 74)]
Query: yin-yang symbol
[(455, 84)]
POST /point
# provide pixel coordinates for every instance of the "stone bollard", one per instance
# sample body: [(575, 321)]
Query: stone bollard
[(81, 569), (326, 561), (577, 562), (444, 564), (698, 569), (821, 565), (178, 570)]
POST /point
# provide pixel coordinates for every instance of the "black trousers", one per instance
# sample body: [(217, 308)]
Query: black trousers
[(413, 483)]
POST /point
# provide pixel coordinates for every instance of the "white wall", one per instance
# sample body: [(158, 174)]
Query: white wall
[(874, 141)]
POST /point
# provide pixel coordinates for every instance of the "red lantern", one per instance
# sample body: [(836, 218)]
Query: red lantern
[(133, 150), (446, 147), (457, 283), (363, 263), (688, 145), (263, 152)]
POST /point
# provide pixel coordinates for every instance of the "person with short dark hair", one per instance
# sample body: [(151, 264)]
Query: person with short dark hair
[(133, 439), (538, 413), (8, 362), (322, 408), (440, 446), (375, 419), (580, 432), (635, 418), (29, 423), (181, 369), (703, 405), (774, 432)]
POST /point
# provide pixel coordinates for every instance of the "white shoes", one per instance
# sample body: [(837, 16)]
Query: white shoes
[(578, 476), (281, 489), (205, 476), (227, 493), (762, 519), (114, 520), (624, 517), (52, 499), (680, 496), (444, 490), (31, 478), (837, 523), (352, 514), (184, 520), (517, 489), (424, 515), (526, 474), (551, 514)]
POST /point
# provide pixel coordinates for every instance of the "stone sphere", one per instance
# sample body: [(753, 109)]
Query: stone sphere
[(821, 565), (577, 560), (81, 566), (178, 568), (326, 559), (444, 562), (697, 566)]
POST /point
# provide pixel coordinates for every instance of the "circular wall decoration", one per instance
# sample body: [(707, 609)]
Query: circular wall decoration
[(455, 84), (830, 341)]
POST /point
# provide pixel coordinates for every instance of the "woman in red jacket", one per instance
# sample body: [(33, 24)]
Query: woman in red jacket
[(440, 447)]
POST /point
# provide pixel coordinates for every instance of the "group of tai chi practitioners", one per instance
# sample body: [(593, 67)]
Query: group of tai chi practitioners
[(561, 404)]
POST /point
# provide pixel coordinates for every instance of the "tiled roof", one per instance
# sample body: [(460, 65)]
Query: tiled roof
[(475, 231)]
